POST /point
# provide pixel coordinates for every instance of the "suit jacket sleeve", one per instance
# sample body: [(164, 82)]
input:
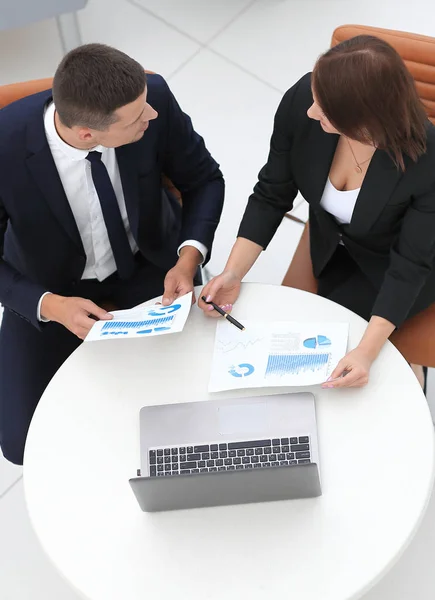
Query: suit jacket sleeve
[(411, 260), (195, 174), (275, 190), (17, 293)]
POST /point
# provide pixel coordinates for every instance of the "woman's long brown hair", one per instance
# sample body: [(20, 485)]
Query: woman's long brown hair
[(367, 93)]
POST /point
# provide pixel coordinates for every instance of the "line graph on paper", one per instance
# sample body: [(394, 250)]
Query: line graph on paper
[(294, 364), (225, 347)]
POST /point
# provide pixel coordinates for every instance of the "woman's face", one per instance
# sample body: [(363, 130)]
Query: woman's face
[(316, 113)]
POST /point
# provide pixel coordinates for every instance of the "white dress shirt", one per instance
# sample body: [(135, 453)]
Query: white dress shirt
[(75, 174)]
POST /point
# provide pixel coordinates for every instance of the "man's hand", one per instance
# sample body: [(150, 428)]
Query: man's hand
[(179, 280), (73, 313)]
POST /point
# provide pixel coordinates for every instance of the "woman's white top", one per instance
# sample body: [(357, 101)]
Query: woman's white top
[(340, 204)]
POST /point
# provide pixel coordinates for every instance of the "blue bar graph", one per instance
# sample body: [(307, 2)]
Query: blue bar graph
[(293, 364), (111, 326)]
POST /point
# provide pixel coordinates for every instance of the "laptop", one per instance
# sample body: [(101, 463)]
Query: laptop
[(223, 452)]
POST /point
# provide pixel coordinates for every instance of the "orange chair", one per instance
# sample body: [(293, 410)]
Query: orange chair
[(16, 91), (415, 339)]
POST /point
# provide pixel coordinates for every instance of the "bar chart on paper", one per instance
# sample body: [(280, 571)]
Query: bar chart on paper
[(140, 327), (275, 354), (143, 321), (294, 364)]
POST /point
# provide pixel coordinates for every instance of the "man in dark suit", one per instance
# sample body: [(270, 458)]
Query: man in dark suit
[(85, 221)]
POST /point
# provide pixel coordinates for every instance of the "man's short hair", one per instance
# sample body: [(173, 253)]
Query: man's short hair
[(92, 82)]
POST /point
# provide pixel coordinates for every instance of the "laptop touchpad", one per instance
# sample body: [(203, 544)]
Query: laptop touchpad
[(242, 418)]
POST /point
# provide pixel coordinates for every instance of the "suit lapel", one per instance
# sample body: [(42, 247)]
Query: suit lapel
[(43, 170), (379, 183), (128, 171), (319, 158)]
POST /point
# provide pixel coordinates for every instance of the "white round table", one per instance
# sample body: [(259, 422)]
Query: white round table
[(376, 452)]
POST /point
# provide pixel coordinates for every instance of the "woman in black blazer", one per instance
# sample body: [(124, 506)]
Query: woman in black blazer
[(354, 139)]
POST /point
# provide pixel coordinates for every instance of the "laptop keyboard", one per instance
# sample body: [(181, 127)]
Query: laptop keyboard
[(251, 454)]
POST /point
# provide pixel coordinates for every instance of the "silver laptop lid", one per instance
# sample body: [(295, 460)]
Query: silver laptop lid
[(226, 488)]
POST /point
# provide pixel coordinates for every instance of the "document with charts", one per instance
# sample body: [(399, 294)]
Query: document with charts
[(275, 354), (143, 321)]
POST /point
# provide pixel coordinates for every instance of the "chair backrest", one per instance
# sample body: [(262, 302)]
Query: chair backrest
[(415, 338), (417, 51), (15, 91)]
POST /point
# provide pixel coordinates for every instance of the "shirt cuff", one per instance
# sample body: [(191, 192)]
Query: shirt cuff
[(38, 310), (200, 247)]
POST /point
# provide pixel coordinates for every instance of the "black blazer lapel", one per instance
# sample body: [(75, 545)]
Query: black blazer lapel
[(316, 162), (379, 183)]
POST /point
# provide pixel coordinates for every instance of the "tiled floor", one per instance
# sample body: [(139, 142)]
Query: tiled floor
[(228, 62)]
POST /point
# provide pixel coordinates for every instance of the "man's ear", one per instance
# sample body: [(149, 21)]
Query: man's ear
[(85, 134)]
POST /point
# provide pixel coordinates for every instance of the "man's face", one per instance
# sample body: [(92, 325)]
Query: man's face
[(132, 122)]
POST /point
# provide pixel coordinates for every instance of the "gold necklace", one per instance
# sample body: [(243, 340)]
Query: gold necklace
[(358, 164)]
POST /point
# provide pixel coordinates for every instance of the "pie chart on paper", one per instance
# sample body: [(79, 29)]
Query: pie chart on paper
[(314, 342)]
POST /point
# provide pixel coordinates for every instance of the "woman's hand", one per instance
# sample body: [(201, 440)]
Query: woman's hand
[(222, 290), (352, 371)]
